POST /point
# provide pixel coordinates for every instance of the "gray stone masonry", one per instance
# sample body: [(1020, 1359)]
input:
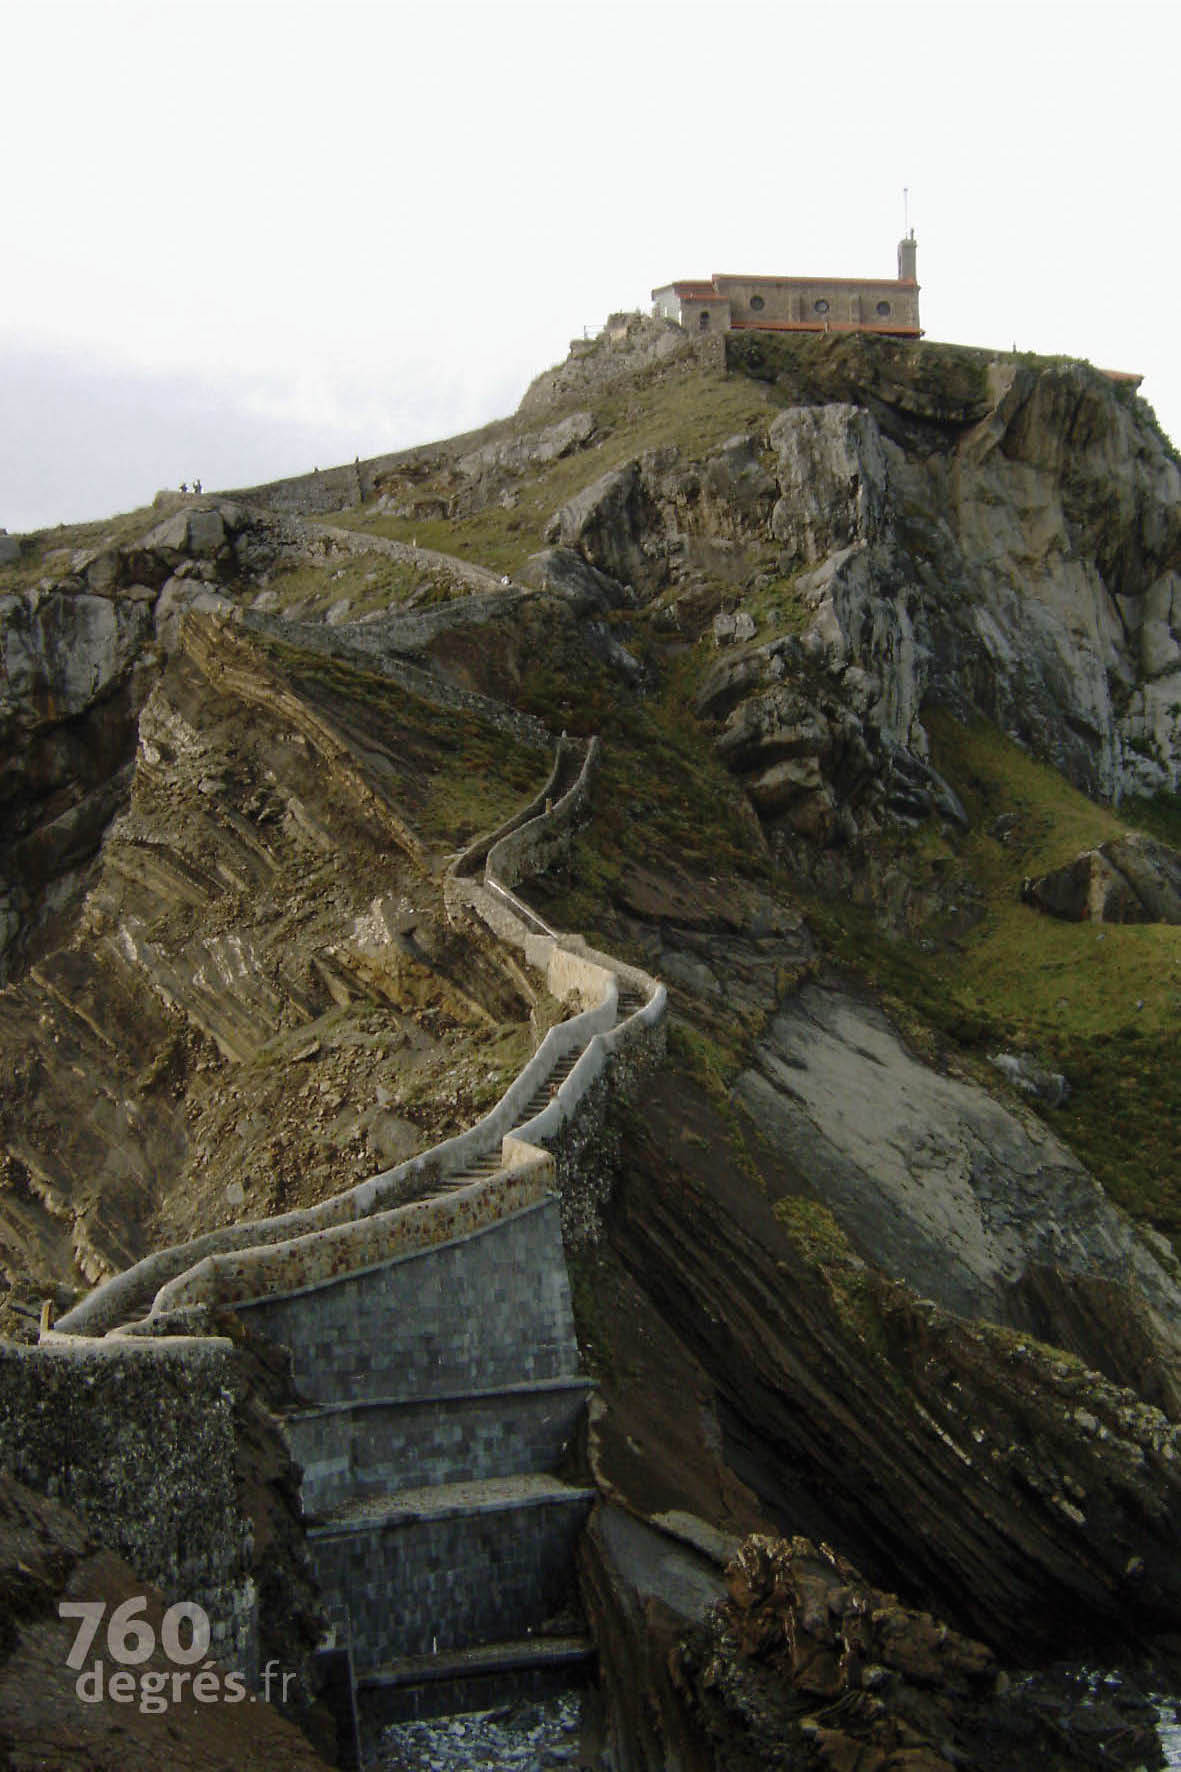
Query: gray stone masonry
[(446, 1579), (355, 1449), (489, 1310)]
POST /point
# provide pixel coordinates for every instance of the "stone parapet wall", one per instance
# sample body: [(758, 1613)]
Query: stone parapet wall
[(534, 844), (471, 861), (323, 1255)]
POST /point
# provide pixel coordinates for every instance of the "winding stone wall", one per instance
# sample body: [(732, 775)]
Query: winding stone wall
[(433, 1340), (235, 1262)]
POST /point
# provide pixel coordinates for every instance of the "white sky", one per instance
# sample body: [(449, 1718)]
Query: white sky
[(239, 241)]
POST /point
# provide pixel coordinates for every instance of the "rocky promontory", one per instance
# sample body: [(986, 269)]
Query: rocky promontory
[(880, 1290)]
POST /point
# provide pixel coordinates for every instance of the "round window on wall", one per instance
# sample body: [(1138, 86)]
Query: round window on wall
[(883, 310), (820, 307), (703, 322), (757, 303)]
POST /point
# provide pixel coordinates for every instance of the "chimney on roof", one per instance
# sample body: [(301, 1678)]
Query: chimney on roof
[(907, 259)]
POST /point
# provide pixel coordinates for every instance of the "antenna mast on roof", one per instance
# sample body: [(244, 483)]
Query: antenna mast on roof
[(905, 210)]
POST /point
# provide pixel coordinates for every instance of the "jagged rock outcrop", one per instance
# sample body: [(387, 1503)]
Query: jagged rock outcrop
[(567, 574), (806, 1664), (612, 522), (832, 477), (1011, 551), (73, 683)]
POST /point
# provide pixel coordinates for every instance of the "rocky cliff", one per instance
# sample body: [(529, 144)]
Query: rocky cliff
[(879, 638)]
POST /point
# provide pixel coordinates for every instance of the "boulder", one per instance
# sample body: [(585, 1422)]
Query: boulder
[(567, 575), (206, 533), (1032, 1078), (737, 625), (614, 524), (1128, 880)]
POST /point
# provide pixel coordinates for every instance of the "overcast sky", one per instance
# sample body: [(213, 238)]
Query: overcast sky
[(243, 240)]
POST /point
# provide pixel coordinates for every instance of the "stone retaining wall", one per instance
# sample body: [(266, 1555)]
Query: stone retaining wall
[(487, 1310), (140, 1438), (460, 1579), (366, 1448)]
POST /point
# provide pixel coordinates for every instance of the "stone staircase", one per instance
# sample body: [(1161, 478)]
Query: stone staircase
[(428, 1317)]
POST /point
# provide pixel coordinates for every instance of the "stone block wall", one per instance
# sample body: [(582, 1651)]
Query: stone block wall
[(368, 1448), (491, 1309), (474, 1577)]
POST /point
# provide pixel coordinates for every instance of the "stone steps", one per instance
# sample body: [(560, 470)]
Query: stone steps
[(479, 1170), (546, 1090), (446, 1501)]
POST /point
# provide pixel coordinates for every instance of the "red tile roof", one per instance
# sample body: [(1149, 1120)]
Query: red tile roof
[(839, 282)]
